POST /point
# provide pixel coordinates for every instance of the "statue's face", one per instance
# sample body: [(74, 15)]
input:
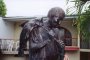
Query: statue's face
[(56, 20)]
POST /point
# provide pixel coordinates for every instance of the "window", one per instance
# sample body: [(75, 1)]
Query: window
[(67, 37)]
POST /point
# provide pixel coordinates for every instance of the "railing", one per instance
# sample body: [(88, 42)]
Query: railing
[(71, 41), (8, 45), (71, 44), (12, 44), (85, 44)]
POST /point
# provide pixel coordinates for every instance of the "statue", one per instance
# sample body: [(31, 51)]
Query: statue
[(43, 36)]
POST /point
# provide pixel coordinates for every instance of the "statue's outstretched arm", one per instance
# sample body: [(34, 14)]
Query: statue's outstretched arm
[(23, 41)]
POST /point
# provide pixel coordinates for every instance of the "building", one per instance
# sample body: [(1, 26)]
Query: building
[(10, 30)]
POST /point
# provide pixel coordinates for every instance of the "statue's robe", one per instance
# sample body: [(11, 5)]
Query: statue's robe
[(44, 42)]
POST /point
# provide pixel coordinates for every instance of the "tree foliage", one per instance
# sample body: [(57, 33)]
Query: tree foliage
[(2, 8), (85, 24), (82, 21)]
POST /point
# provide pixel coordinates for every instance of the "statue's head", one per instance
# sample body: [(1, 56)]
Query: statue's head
[(56, 14)]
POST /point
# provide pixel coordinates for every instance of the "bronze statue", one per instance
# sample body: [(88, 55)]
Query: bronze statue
[(43, 36)]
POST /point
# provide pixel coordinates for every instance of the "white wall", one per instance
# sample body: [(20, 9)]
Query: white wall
[(73, 55), (6, 29)]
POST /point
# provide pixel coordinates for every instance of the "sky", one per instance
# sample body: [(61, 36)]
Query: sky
[(32, 7)]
